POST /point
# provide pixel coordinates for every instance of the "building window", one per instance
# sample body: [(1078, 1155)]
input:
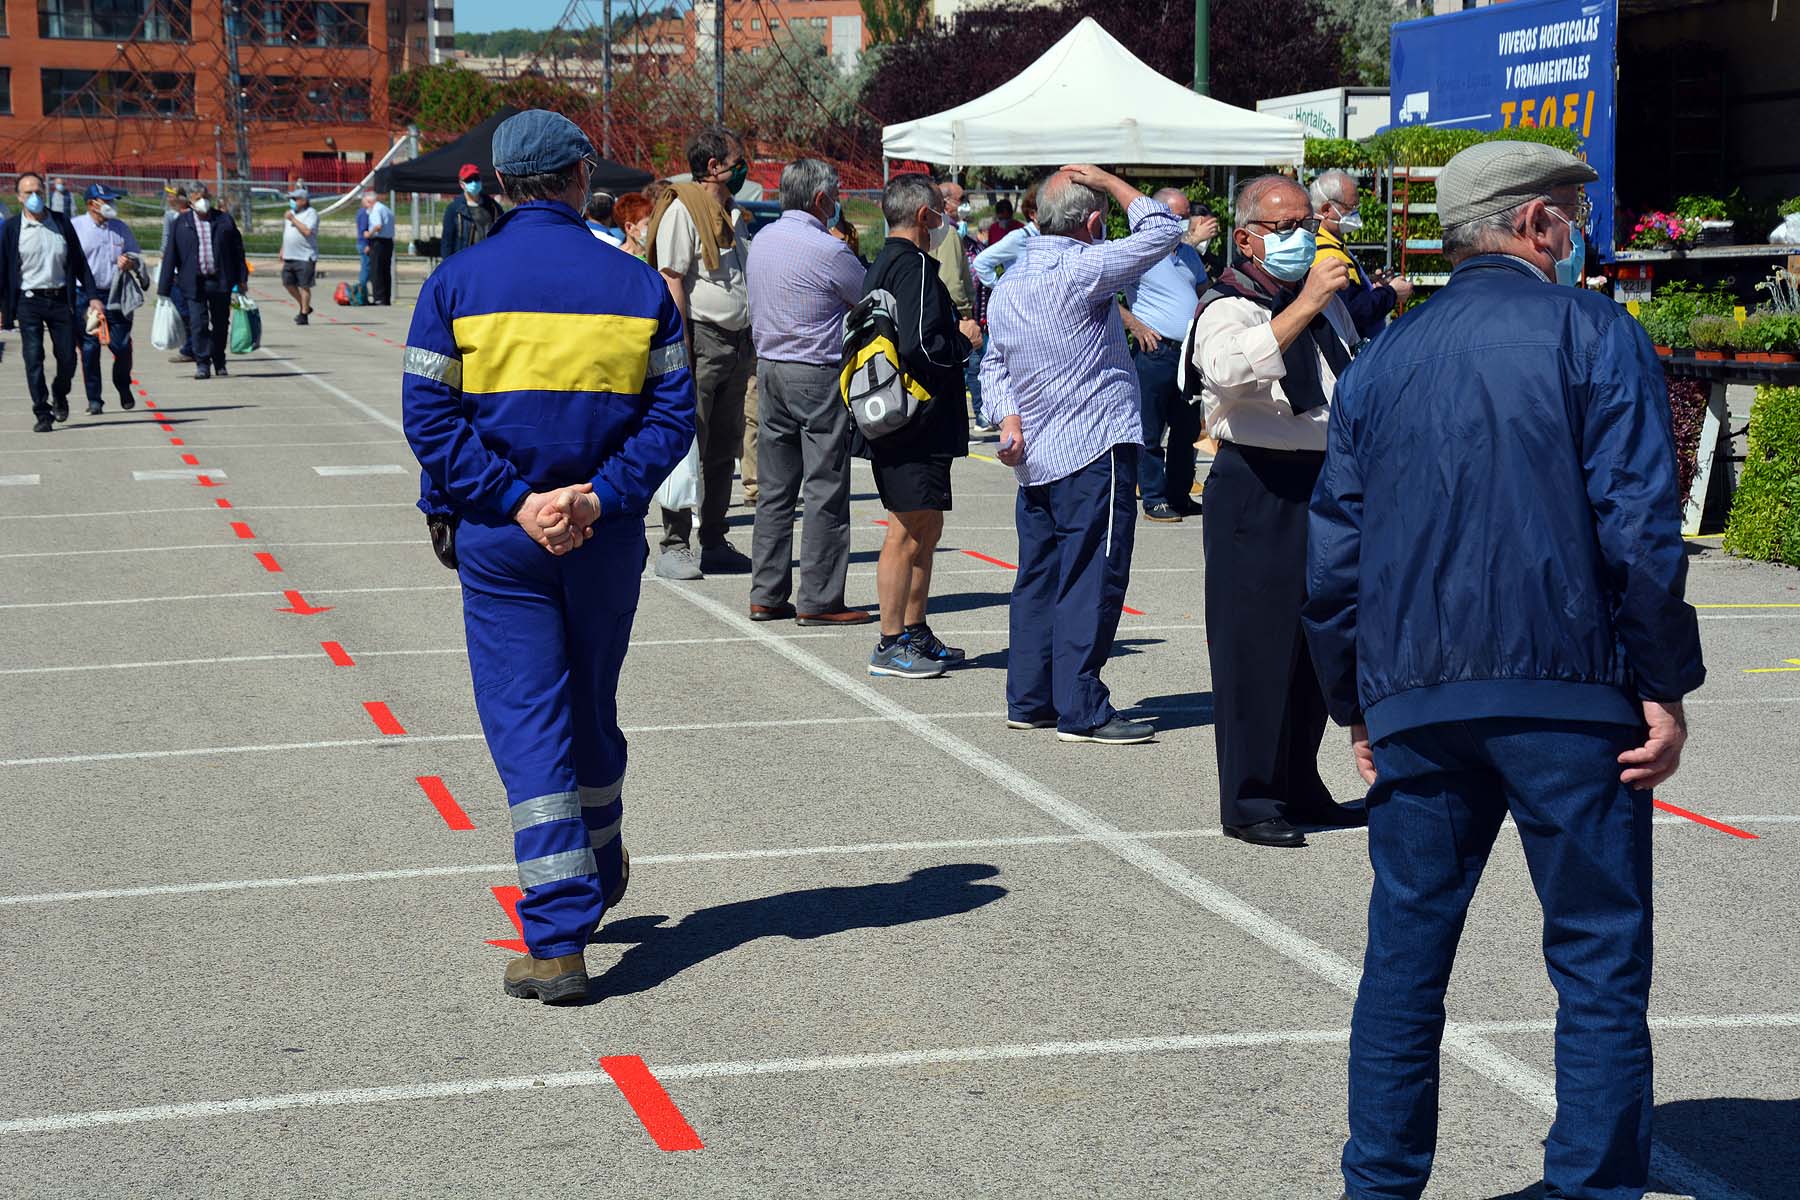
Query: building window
[(820, 22), (6, 91), (139, 20), (737, 26), (774, 24), (305, 23), (755, 24), (117, 93), (295, 98)]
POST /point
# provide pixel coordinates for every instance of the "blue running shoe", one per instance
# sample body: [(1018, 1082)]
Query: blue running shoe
[(903, 660), (928, 644)]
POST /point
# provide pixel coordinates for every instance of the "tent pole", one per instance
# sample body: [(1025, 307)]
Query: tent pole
[(1231, 201), (1202, 49)]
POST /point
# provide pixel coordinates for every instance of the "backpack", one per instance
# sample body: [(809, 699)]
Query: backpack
[(882, 397), (342, 295), (359, 295)]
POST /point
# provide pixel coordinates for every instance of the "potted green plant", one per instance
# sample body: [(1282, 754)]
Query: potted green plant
[(1751, 335), (1780, 337), (1712, 337), (1708, 219)]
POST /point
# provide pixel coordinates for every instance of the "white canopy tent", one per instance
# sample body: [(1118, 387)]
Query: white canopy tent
[(1089, 99)]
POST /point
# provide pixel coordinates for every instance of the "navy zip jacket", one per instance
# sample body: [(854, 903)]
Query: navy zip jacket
[(181, 264), (1496, 532), (541, 357), (75, 272)]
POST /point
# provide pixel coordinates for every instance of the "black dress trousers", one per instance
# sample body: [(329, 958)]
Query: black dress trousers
[(1268, 712)]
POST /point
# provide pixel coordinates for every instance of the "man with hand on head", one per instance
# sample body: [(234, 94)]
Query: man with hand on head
[(1058, 376), (43, 272), (300, 252), (546, 396), (111, 249), (1270, 342), (1496, 609)]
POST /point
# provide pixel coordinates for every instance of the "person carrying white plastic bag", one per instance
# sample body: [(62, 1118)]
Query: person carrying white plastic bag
[(167, 329), (681, 490)]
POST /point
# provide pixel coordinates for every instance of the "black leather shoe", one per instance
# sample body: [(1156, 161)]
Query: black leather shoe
[(60, 409), (1333, 816), (126, 402), (1273, 832), (95, 410), (221, 370), (1116, 732), (44, 425)]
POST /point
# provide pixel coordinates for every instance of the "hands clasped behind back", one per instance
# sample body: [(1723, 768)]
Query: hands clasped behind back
[(560, 520)]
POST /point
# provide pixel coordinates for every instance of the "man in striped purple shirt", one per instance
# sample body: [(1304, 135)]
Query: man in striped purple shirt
[(1059, 378), (802, 281)]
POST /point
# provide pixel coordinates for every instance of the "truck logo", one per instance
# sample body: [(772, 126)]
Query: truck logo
[(1414, 109)]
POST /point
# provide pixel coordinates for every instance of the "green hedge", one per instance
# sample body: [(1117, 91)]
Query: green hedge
[(1765, 514), (1422, 146)]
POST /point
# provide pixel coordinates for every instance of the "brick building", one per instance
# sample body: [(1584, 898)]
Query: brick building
[(142, 86)]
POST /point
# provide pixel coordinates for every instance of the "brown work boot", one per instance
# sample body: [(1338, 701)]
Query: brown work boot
[(618, 893), (553, 980)]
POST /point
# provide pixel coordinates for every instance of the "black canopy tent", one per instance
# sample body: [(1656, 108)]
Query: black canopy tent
[(436, 172)]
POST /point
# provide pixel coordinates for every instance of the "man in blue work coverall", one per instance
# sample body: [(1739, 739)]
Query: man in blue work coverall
[(547, 395)]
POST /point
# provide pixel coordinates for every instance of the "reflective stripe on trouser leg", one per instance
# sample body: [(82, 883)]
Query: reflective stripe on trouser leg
[(603, 813)]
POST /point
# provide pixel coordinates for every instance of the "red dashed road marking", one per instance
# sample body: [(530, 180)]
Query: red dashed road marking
[(165, 427), (297, 605), (453, 815), (205, 481), (1000, 562), (222, 502), (509, 898), (268, 563), (190, 460), (384, 720), (1721, 826), (176, 442), (662, 1120), (337, 654), (242, 530)]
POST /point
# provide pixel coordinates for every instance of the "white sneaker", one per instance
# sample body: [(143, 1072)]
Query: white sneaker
[(678, 562)]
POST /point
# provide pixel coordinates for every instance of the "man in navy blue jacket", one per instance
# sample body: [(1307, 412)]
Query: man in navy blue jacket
[(206, 260), (1496, 578)]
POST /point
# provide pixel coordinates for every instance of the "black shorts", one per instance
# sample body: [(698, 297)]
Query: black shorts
[(297, 272), (914, 485)]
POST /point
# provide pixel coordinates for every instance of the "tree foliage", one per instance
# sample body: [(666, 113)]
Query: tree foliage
[(889, 21)]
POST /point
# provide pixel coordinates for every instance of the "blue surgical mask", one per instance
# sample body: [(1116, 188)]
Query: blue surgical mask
[(473, 187), (293, 206), (35, 202), (962, 229), (837, 214), (1568, 270), (1288, 258)]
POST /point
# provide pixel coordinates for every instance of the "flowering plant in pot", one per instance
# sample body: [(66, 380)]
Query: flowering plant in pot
[(1661, 231), (1713, 337), (1707, 219)]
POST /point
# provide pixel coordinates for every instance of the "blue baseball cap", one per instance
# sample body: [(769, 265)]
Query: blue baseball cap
[(97, 191), (538, 141)]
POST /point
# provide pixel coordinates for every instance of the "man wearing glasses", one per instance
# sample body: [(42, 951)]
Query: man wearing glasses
[(700, 243), (1497, 577), (1271, 340)]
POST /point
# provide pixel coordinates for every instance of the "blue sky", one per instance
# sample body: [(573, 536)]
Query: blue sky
[(484, 16)]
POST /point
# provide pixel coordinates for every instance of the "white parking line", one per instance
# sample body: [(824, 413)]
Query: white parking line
[(377, 469), (1468, 1049), (709, 856), (20, 480), (367, 410), (153, 448), (238, 545), (183, 474), (891, 1060), (198, 508)]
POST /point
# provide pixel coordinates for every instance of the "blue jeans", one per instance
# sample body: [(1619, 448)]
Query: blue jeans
[(1433, 815), (1075, 540), (1165, 480), (118, 327)]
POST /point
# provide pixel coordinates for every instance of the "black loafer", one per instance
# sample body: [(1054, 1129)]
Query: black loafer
[(95, 410), (59, 409), (1273, 832), (1116, 732)]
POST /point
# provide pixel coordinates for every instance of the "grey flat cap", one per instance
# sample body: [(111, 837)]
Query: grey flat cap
[(1492, 177)]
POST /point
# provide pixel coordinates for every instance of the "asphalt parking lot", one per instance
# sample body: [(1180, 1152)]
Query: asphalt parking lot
[(256, 870)]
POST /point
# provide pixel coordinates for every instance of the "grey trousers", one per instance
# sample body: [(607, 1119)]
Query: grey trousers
[(803, 444), (723, 361)]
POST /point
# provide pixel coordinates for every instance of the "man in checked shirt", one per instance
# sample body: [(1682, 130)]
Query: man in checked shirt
[(1058, 377)]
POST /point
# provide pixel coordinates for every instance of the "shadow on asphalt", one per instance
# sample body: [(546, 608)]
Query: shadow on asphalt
[(1178, 710), (278, 374), (660, 953), (969, 601)]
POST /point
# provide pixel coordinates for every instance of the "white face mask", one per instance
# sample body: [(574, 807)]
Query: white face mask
[(109, 212), (202, 205), (1350, 222)]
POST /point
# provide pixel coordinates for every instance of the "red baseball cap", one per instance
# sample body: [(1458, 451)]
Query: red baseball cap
[(469, 171)]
